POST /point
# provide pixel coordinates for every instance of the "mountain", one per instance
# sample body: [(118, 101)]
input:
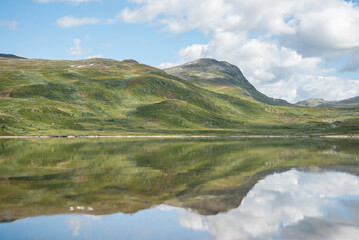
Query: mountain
[(347, 103), (222, 76), (351, 103), (313, 102), (109, 97), (3, 55)]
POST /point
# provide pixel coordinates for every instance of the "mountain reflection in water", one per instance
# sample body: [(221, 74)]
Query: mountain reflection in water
[(290, 205), (179, 189)]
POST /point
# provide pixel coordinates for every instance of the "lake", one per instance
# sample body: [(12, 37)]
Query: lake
[(220, 188)]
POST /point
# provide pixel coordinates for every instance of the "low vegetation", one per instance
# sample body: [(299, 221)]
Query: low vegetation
[(108, 97)]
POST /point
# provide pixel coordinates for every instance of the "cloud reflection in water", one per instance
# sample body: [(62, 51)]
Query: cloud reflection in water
[(290, 205)]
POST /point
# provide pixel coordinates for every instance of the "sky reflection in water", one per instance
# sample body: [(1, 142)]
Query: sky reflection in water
[(289, 205)]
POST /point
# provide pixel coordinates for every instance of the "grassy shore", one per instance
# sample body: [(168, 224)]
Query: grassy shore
[(185, 136)]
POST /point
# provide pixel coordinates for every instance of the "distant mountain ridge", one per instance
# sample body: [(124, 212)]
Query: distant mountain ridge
[(4, 55), (219, 74), (312, 102), (321, 103)]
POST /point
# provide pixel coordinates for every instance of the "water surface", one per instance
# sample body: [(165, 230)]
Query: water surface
[(179, 189)]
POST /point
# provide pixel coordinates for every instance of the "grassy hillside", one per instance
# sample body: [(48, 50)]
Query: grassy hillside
[(222, 77), (108, 97)]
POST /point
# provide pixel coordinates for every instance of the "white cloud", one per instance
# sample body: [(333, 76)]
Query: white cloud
[(94, 217), (68, 21), (326, 29), (311, 86), (282, 203), (334, 23), (275, 42), (76, 49), (75, 223), (12, 25), (94, 56), (166, 65)]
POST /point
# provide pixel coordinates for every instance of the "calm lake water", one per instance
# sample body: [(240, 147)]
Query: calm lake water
[(179, 189)]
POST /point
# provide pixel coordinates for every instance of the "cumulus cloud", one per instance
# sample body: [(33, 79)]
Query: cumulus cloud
[(285, 205), (77, 49), (319, 24), (330, 31), (74, 224), (12, 25), (68, 21), (166, 65), (94, 56), (275, 42)]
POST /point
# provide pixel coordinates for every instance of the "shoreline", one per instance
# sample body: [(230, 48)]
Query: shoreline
[(181, 136)]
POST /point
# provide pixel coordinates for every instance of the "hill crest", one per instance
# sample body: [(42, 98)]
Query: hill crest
[(4, 55), (208, 71), (352, 103)]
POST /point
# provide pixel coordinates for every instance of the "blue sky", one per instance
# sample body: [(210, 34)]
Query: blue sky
[(38, 35), (157, 223), (287, 49)]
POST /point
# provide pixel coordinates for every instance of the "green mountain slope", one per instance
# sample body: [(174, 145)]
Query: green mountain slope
[(347, 103), (109, 97), (221, 76)]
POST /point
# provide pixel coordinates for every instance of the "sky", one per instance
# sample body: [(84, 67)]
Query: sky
[(292, 50)]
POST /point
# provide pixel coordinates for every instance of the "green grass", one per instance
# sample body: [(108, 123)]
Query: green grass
[(108, 97)]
